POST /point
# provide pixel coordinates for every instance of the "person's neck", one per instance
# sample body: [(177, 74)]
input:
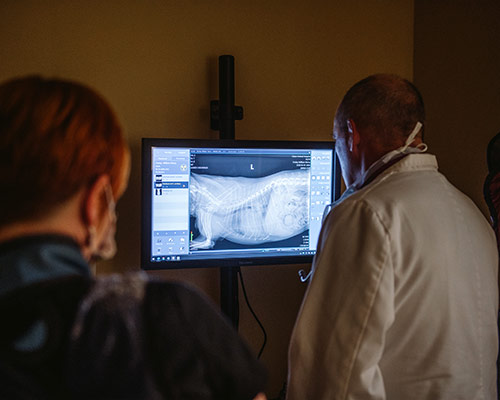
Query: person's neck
[(63, 220), (370, 159), (18, 230), (366, 160)]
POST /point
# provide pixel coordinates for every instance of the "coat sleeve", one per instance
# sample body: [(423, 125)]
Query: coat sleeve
[(338, 339)]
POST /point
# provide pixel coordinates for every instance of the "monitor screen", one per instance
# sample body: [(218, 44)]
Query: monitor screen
[(229, 203)]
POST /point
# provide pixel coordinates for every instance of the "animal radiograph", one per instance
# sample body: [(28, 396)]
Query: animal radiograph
[(249, 210)]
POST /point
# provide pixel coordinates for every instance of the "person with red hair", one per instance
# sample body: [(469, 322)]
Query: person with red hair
[(64, 162)]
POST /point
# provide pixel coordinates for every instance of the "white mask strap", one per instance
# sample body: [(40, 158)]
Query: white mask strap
[(404, 149), (422, 146), (109, 197)]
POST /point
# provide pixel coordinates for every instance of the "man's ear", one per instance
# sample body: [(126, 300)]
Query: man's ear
[(93, 201), (354, 137)]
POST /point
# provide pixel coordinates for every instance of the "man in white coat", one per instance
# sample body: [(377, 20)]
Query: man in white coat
[(403, 299)]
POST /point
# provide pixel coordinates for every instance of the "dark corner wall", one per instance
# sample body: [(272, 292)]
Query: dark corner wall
[(457, 68)]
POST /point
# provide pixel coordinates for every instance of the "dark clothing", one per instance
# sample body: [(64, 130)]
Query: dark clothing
[(119, 337), (37, 259)]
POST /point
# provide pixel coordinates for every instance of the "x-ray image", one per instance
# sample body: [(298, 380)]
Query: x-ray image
[(249, 210), (245, 165)]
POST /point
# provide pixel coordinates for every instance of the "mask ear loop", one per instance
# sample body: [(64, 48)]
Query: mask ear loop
[(108, 248), (412, 137), (91, 230), (110, 200), (91, 241), (422, 147), (91, 237)]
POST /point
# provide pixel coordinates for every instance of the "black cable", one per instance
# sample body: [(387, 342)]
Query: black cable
[(253, 313)]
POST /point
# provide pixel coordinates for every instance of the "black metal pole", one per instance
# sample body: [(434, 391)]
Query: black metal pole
[(228, 275), (226, 97), (229, 301)]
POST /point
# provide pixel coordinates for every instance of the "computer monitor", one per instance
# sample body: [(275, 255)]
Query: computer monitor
[(231, 203)]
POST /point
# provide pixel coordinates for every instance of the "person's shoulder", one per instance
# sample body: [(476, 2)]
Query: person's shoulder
[(183, 291), (122, 290), (140, 283), (368, 206), (172, 285), (184, 300), (357, 202)]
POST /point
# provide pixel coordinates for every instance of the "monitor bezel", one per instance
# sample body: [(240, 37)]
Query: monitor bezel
[(146, 199)]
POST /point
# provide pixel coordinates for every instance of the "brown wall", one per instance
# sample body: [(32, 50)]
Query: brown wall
[(156, 61), (457, 67)]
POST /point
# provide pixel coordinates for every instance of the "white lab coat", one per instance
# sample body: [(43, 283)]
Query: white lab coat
[(403, 301)]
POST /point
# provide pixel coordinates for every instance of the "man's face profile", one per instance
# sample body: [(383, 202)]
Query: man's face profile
[(343, 154)]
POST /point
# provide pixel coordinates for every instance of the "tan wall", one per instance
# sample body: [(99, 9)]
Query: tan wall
[(156, 61), (457, 66)]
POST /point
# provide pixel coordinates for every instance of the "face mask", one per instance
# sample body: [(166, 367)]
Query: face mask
[(107, 248), (377, 165)]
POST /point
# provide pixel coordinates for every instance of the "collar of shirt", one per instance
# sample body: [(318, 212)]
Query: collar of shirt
[(34, 259)]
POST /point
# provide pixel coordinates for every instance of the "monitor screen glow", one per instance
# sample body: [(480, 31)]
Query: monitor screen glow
[(233, 203)]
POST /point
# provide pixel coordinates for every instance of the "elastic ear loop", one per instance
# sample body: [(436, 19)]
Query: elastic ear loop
[(412, 136), (91, 237), (91, 230), (110, 199), (111, 204), (422, 147)]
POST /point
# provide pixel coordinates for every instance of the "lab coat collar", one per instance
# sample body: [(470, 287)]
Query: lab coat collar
[(411, 162)]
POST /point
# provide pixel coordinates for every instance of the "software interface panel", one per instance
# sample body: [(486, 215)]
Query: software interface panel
[(230, 202)]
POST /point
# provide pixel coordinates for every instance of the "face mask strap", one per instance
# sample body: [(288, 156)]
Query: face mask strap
[(106, 249), (412, 136), (91, 238), (110, 200), (422, 147)]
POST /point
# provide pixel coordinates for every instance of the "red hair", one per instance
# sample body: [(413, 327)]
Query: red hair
[(55, 138)]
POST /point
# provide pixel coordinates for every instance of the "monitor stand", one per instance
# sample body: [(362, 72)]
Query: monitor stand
[(223, 113)]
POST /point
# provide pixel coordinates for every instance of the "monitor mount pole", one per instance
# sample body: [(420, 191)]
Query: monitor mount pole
[(223, 113)]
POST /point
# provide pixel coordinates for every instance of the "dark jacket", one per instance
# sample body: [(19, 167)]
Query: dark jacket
[(67, 335)]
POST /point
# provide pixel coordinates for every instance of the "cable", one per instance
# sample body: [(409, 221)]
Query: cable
[(253, 313)]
